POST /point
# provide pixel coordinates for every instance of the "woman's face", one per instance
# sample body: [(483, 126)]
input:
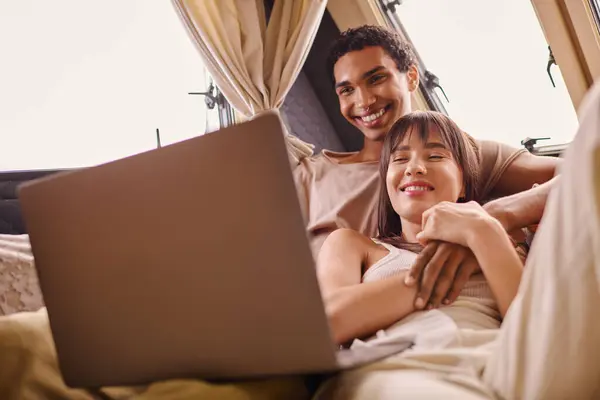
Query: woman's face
[(421, 175)]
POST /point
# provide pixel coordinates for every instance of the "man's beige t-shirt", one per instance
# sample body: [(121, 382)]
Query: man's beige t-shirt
[(334, 194)]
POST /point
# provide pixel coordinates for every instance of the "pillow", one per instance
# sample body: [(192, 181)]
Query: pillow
[(19, 286)]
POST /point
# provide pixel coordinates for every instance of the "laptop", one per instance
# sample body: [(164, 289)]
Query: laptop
[(187, 261)]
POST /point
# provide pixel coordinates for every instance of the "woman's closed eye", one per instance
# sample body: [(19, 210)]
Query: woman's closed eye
[(431, 157), (436, 157)]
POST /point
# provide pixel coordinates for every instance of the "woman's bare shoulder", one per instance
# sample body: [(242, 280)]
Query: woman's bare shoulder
[(350, 236), (350, 241)]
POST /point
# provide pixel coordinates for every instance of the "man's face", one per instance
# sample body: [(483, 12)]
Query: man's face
[(372, 92)]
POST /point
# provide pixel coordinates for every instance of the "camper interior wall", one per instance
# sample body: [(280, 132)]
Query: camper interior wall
[(586, 29), (312, 95)]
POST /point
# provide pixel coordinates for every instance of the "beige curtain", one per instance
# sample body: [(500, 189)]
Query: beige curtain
[(254, 64)]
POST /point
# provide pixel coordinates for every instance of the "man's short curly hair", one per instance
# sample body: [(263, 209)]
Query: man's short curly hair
[(355, 39)]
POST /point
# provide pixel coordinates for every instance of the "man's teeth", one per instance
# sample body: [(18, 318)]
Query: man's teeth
[(374, 116), (417, 189)]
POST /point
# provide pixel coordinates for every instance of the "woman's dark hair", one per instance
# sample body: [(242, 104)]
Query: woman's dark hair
[(463, 149)]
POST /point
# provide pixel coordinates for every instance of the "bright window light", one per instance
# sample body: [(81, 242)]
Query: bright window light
[(87, 82), (491, 59)]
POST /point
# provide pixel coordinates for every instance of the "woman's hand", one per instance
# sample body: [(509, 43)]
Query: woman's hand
[(456, 223)]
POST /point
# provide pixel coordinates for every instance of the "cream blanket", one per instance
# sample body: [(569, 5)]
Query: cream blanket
[(452, 346), (29, 370)]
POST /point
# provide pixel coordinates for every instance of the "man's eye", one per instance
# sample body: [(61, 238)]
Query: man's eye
[(345, 91), (400, 159), (376, 78)]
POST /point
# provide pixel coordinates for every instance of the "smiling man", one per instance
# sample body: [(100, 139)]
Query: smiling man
[(374, 72)]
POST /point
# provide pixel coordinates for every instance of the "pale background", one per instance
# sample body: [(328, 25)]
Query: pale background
[(85, 82), (491, 59)]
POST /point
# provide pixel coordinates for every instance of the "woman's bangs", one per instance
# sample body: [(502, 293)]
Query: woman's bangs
[(406, 128)]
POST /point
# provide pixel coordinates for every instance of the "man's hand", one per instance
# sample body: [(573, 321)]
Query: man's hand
[(443, 269)]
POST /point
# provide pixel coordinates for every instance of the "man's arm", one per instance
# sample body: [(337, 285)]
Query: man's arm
[(521, 209), (520, 205)]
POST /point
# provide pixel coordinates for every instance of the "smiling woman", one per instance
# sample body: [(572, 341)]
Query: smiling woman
[(88, 83), (430, 161)]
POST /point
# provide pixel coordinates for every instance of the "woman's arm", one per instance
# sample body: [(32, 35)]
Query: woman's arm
[(499, 261), (356, 309)]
